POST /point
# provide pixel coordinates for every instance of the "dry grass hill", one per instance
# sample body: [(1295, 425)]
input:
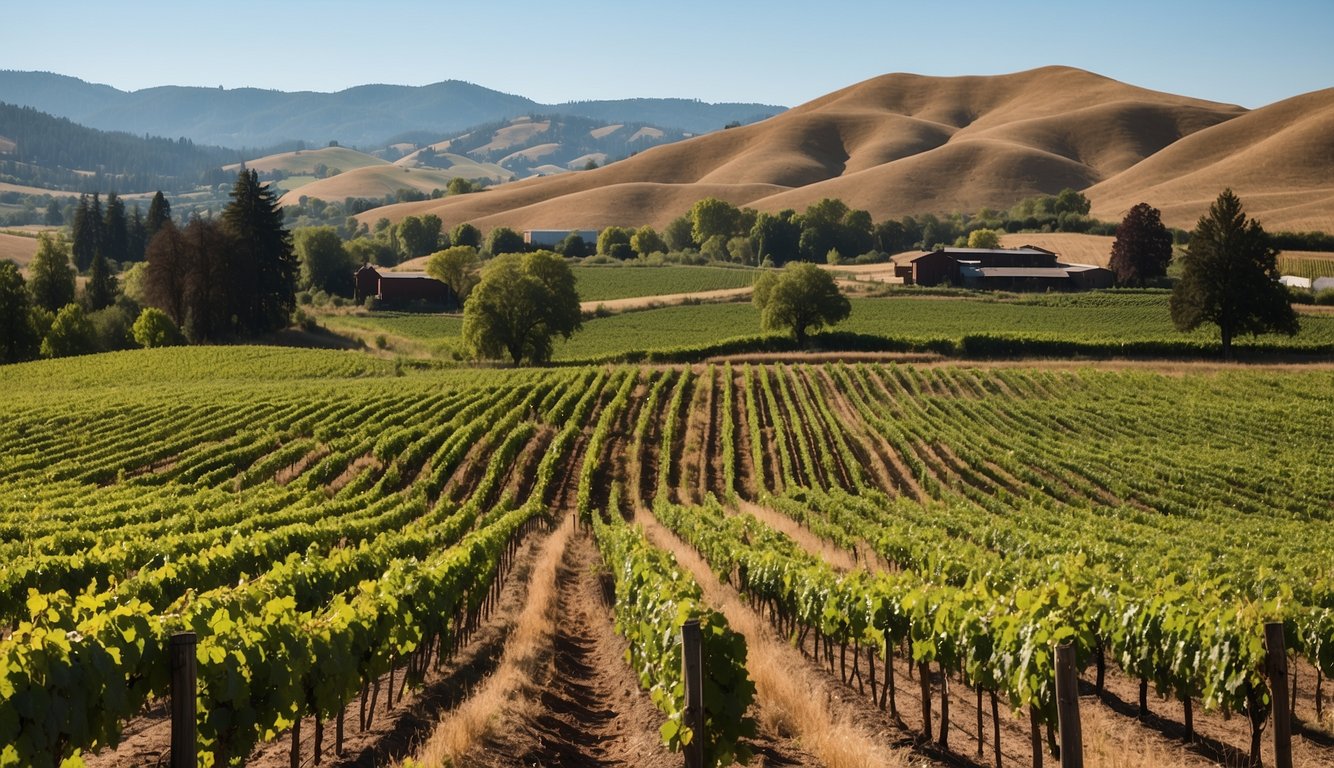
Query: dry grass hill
[(901, 144), (1279, 159), (894, 145), (306, 161)]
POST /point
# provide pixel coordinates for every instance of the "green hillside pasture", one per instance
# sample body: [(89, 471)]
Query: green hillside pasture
[(404, 332), (1048, 325), (604, 283)]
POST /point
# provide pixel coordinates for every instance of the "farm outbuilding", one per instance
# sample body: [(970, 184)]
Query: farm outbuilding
[(402, 287), (1011, 269)]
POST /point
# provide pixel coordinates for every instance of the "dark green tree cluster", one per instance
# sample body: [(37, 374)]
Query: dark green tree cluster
[(105, 240), (724, 232), (228, 278), (1142, 250), (41, 315)]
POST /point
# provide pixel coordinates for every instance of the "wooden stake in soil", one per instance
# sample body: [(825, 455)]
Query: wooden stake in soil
[(1276, 665), (1067, 707), (692, 660), (184, 750)]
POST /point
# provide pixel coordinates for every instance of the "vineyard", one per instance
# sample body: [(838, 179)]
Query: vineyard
[(351, 543)]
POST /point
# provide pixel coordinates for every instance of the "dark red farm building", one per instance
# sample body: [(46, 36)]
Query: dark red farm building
[(402, 287), (1011, 269)]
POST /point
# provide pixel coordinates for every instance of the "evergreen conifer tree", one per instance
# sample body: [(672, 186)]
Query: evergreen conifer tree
[(263, 267), (101, 289), (115, 230), (85, 234), (1229, 277), (137, 236), (159, 212)]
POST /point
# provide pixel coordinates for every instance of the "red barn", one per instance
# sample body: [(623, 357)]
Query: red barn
[(402, 287)]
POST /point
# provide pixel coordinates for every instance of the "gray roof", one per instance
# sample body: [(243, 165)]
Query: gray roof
[(405, 275), (1043, 272)]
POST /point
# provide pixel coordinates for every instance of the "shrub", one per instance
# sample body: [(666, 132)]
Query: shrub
[(155, 329)]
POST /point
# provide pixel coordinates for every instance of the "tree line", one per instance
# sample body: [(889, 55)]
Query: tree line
[(211, 280)]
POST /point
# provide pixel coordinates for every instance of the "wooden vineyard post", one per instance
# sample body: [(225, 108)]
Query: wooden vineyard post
[(184, 750), (692, 659), (1067, 707), (1276, 666)]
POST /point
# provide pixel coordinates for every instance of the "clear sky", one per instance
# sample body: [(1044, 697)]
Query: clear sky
[(1250, 53)]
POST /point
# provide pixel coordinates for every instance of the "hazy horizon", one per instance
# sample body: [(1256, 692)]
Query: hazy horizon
[(779, 53)]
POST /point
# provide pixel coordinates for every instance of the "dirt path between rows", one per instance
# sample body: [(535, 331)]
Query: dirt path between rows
[(587, 708), (664, 300)]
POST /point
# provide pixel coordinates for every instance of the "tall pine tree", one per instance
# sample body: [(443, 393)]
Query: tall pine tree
[(159, 213), (263, 268), (85, 233), (115, 231), (100, 292), (137, 242)]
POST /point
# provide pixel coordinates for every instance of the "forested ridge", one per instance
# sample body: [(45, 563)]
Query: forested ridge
[(55, 153)]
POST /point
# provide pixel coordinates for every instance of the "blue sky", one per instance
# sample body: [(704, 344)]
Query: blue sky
[(1249, 53)]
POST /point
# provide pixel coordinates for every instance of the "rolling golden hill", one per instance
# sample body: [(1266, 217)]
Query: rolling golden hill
[(894, 145), (1279, 160)]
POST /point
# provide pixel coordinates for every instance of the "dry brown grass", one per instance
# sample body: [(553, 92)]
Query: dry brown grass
[(17, 248), (1072, 247), (1277, 159), (892, 145), (306, 160), (527, 648)]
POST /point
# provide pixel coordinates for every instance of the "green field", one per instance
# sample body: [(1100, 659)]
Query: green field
[(1097, 321), (603, 283)]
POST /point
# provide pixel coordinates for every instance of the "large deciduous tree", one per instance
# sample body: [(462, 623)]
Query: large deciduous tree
[(504, 240), (1229, 277), (646, 240), (325, 263), (18, 338), (615, 242), (466, 234), (419, 235), (1143, 247), (799, 299), (521, 304), (52, 279), (456, 267), (984, 238), (712, 217)]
